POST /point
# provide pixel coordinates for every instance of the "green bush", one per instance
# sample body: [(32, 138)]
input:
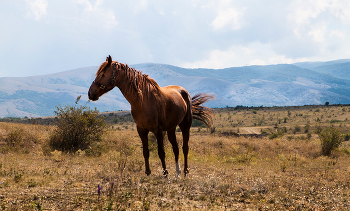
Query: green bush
[(197, 123), (331, 139), (273, 135), (78, 127)]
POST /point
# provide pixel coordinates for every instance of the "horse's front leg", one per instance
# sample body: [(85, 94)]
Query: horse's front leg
[(161, 152), (144, 138)]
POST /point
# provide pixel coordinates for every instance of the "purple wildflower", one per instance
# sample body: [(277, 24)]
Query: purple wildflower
[(99, 190)]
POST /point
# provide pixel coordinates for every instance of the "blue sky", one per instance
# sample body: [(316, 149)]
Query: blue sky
[(46, 36)]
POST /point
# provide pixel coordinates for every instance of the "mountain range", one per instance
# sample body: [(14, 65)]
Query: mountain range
[(306, 83)]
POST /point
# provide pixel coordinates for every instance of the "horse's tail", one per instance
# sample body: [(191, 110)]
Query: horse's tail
[(200, 112)]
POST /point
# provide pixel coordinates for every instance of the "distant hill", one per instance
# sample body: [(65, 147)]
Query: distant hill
[(269, 85), (338, 68)]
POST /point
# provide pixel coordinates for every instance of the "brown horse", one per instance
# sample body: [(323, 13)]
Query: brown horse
[(153, 108)]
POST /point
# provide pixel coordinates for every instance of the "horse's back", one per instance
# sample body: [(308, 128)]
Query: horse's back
[(177, 93)]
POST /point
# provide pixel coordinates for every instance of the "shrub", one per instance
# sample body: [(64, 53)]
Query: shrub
[(280, 132), (15, 137), (197, 123), (21, 140), (346, 137), (296, 129), (273, 135), (307, 128), (318, 128), (78, 127), (331, 139)]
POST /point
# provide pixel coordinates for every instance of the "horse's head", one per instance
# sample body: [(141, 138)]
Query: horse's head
[(104, 81)]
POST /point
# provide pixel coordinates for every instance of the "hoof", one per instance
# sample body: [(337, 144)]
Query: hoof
[(148, 173), (186, 172), (165, 173)]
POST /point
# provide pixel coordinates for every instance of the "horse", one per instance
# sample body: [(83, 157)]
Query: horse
[(154, 109)]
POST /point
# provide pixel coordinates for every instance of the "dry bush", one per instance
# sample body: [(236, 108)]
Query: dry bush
[(331, 139), (22, 138), (78, 127)]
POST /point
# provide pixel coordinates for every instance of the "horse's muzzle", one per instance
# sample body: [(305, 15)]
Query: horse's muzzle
[(93, 96)]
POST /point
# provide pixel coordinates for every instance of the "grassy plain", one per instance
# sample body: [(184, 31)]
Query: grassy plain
[(227, 172)]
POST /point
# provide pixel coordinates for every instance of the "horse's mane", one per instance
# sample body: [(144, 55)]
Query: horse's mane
[(135, 78)]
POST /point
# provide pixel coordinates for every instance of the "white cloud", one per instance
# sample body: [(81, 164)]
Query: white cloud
[(230, 17), (247, 50), (254, 54), (86, 4), (281, 59), (141, 5), (97, 14), (217, 59), (317, 33), (257, 62), (237, 55), (337, 34), (304, 13), (304, 10), (195, 33), (38, 8), (341, 10)]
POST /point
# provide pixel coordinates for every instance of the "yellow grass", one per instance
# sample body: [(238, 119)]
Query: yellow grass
[(270, 116), (226, 172)]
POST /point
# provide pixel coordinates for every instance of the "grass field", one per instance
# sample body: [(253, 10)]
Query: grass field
[(227, 172)]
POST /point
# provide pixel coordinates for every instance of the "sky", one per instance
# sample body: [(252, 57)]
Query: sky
[(39, 37)]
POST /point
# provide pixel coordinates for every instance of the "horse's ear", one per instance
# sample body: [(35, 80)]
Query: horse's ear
[(109, 60)]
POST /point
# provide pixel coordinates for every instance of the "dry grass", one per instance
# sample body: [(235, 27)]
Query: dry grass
[(226, 173), (230, 119)]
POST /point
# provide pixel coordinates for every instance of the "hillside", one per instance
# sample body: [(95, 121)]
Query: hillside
[(270, 85)]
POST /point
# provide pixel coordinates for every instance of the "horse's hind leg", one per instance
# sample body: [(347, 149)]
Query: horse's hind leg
[(144, 138), (185, 128), (172, 139), (161, 152)]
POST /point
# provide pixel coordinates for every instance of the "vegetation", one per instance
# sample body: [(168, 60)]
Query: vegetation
[(229, 170), (331, 139), (78, 127)]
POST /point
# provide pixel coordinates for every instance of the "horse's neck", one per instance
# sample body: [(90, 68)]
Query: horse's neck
[(130, 93)]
